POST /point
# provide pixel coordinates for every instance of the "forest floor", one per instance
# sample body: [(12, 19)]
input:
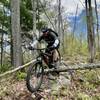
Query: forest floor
[(75, 85)]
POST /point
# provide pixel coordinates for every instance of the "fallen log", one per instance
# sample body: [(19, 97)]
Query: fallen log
[(88, 66), (16, 69), (65, 69)]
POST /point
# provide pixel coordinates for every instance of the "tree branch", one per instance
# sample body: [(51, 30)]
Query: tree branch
[(16, 69)]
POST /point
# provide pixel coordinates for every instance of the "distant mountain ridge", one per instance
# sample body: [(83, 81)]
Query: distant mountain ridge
[(81, 26)]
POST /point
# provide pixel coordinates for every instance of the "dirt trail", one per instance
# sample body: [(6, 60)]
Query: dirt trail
[(82, 87)]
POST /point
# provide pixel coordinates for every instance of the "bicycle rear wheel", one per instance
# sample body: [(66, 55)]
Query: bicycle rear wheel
[(34, 77)]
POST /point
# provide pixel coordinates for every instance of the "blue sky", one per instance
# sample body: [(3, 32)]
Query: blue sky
[(70, 5), (70, 10)]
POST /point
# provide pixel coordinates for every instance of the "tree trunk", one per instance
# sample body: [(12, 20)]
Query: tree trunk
[(90, 30), (34, 3), (59, 25), (34, 17), (2, 48), (11, 50), (16, 36), (74, 27), (80, 41), (62, 34), (38, 14), (2, 36), (97, 22), (59, 18)]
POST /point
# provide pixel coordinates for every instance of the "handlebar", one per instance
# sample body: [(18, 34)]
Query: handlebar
[(27, 47)]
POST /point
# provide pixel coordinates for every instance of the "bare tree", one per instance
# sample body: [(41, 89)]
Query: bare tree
[(34, 3), (74, 28), (80, 41), (60, 25), (90, 30), (97, 22), (59, 18), (2, 48), (2, 36), (16, 36)]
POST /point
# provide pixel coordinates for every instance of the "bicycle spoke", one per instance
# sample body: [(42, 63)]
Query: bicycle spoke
[(34, 77)]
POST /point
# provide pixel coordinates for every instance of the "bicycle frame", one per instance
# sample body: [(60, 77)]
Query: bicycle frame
[(36, 71), (43, 56)]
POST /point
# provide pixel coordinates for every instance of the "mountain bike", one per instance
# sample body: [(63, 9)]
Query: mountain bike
[(35, 72)]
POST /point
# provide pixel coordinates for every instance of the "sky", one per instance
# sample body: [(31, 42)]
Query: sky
[(71, 5), (70, 11)]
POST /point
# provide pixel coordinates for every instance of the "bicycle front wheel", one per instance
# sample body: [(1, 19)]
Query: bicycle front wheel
[(34, 77)]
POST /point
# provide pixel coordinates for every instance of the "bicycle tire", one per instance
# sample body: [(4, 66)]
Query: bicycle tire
[(33, 70)]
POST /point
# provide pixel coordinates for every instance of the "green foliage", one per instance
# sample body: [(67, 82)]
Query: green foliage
[(4, 16), (74, 47), (92, 75), (96, 97), (27, 17), (83, 96), (5, 2), (5, 67), (27, 4), (20, 75), (41, 24), (97, 56)]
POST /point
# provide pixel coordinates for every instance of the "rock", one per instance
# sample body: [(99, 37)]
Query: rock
[(63, 81), (59, 85)]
